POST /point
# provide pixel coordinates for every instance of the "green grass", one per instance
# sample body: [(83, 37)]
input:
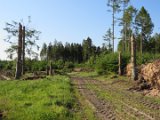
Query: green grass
[(46, 99), (83, 74), (108, 78)]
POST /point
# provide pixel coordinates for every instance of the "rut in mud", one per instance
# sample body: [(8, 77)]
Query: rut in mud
[(115, 103)]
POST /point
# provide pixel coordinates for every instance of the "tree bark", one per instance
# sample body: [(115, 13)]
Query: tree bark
[(50, 71), (141, 46), (113, 23), (23, 51), (119, 61), (133, 59), (19, 54), (47, 70)]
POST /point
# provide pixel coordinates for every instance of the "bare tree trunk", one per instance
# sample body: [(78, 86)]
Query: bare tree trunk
[(113, 23), (129, 43), (125, 36), (119, 64), (141, 46), (47, 67), (23, 51), (50, 71), (47, 70), (19, 54), (133, 59)]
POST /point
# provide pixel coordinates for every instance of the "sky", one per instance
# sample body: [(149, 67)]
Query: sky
[(67, 20)]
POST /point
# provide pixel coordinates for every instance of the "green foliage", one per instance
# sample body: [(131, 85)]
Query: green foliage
[(31, 36), (144, 21), (59, 64), (69, 65), (87, 48), (108, 38), (35, 65), (43, 53), (73, 52), (146, 57), (107, 63), (127, 21), (7, 65)]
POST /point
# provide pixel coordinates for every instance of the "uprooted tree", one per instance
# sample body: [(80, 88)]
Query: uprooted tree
[(26, 40)]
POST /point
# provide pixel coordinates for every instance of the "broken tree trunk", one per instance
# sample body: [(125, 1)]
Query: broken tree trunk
[(19, 54), (47, 70), (23, 51), (133, 59), (119, 64), (50, 71)]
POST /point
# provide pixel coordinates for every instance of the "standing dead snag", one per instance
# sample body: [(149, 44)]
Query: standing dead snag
[(50, 68), (119, 64), (19, 54), (133, 59), (23, 51)]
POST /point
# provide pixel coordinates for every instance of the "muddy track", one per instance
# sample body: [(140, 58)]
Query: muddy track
[(106, 109), (129, 97), (103, 109)]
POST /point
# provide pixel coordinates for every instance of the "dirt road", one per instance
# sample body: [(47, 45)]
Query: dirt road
[(113, 101)]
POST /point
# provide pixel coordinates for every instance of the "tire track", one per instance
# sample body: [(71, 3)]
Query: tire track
[(90, 87), (103, 109)]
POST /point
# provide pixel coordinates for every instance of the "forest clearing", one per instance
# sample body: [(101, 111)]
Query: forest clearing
[(78, 96), (80, 60)]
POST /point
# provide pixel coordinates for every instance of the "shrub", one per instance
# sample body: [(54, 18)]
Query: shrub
[(59, 64), (7, 65), (107, 63), (69, 65), (146, 57)]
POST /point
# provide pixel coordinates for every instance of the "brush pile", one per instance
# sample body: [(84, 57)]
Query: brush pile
[(148, 74), (151, 73)]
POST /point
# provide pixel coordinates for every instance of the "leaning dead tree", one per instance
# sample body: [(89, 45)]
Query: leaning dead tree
[(133, 59)]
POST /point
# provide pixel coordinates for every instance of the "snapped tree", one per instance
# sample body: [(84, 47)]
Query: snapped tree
[(26, 40)]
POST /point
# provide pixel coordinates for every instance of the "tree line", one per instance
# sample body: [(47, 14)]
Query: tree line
[(74, 52)]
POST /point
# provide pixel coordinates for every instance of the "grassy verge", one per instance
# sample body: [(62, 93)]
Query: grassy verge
[(45, 99)]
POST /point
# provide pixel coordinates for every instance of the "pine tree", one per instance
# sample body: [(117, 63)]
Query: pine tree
[(144, 23), (115, 7)]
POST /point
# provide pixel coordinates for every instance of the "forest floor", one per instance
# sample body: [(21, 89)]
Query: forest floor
[(110, 98)]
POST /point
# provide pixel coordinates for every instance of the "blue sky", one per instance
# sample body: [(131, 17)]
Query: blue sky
[(67, 20)]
